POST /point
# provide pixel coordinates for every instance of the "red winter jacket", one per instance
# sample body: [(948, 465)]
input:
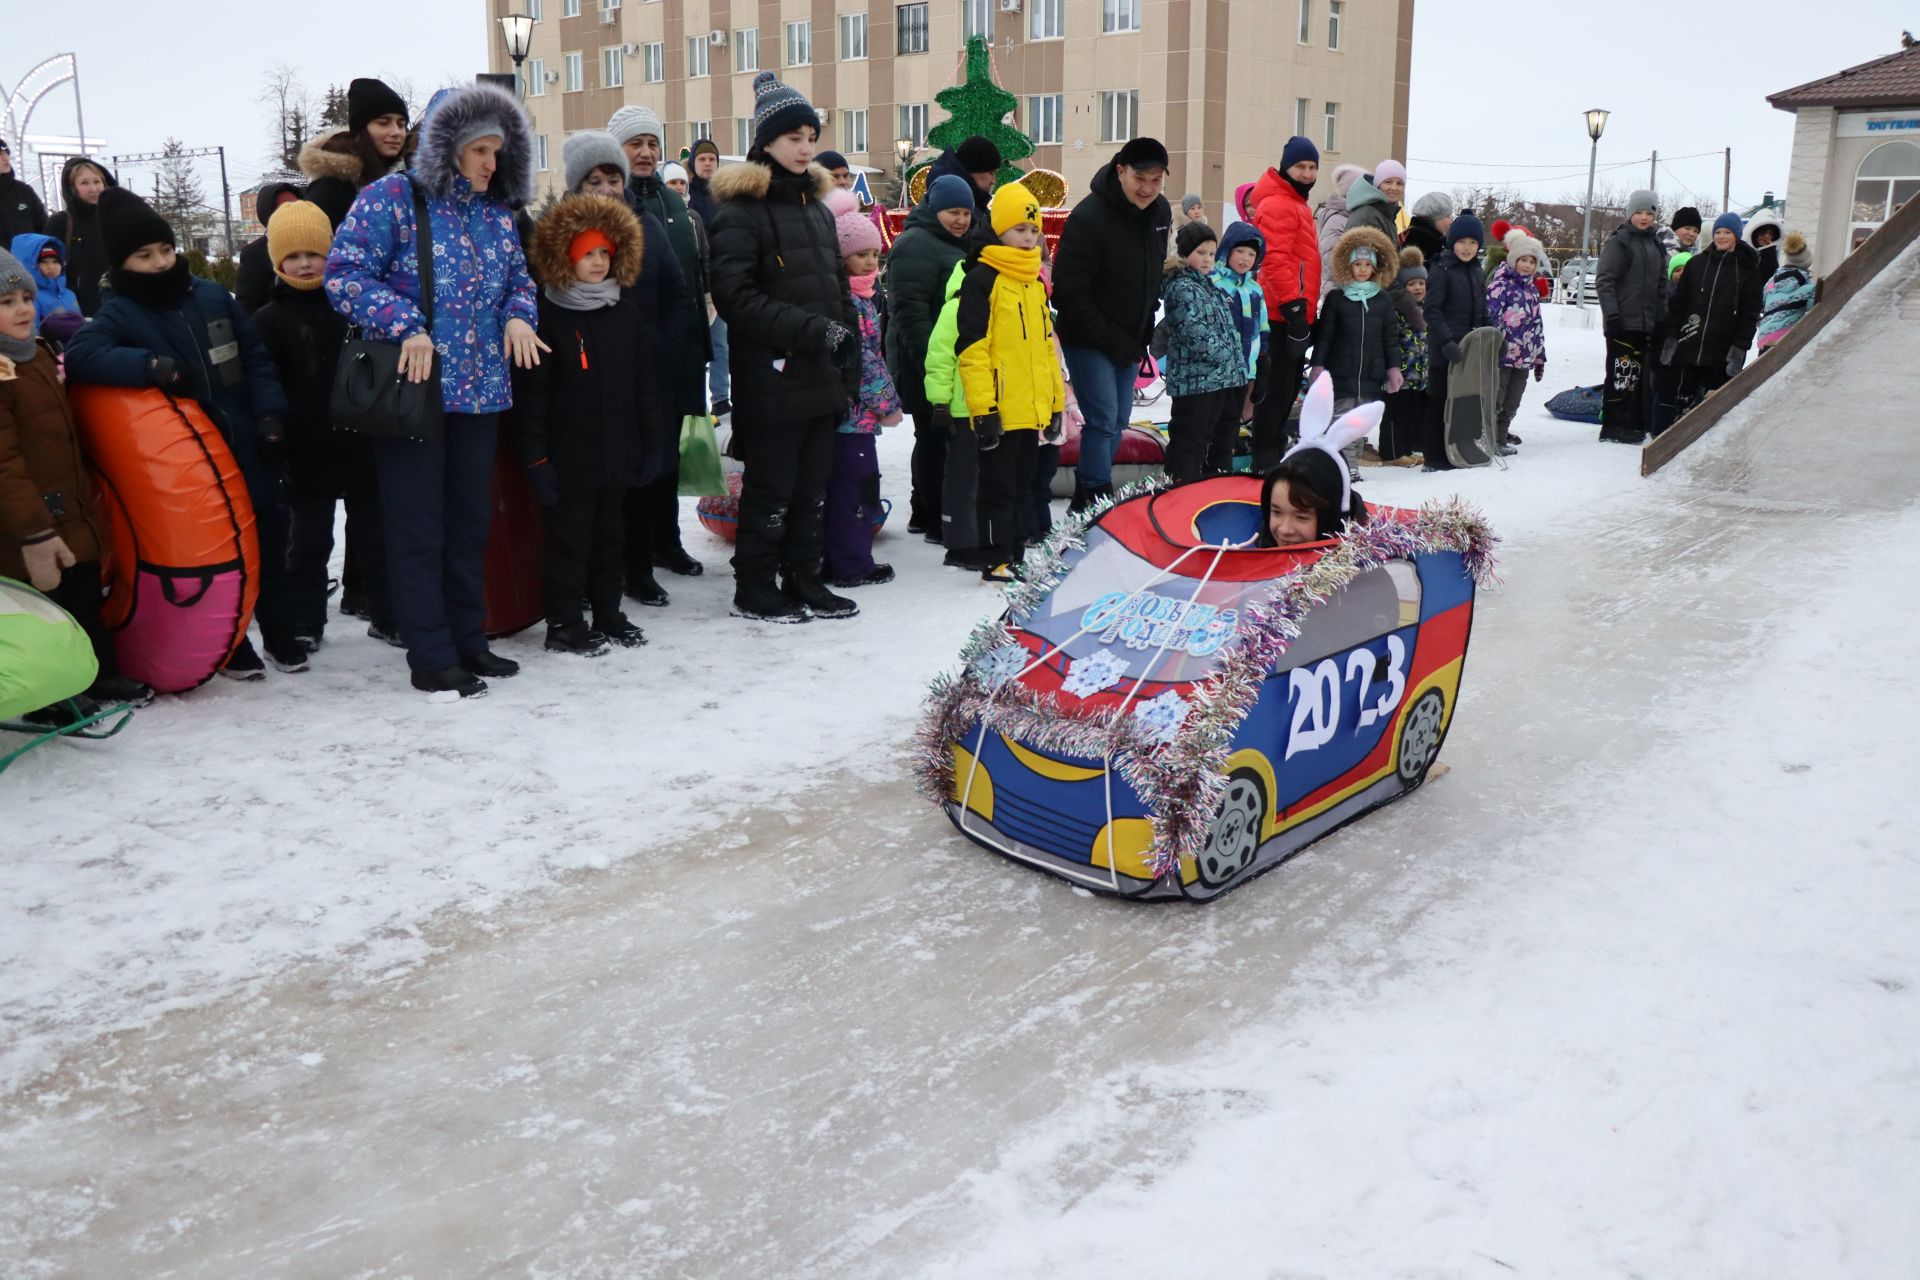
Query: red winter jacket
[(1291, 269)]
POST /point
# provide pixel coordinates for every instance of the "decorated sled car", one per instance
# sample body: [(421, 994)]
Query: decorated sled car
[(1166, 710)]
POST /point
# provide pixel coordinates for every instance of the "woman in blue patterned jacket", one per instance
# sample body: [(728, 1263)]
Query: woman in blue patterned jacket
[(474, 168)]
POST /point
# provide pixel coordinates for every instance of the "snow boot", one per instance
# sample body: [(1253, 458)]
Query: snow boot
[(871, 578), (678, 561), (286, 653), (386, 633), (642, 589), (245, 664), (112, 689), (490, 664), (620, 630), (764, 602), (804, 587), (450, 680), (577, 638)]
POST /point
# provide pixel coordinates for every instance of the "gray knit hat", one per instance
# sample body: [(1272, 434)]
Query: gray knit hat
[(630, 122), (588, 150), (1433, 206), (14, 276), (1642, 199), (779, 109)]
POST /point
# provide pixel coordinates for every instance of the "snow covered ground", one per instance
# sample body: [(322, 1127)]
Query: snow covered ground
[(654, 966)]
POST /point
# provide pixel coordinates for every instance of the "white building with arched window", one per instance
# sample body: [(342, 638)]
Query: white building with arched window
[(1856, 150)]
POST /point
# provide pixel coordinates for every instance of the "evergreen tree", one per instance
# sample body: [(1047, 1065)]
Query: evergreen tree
[(333, 110), (178, 195), (979, 106)]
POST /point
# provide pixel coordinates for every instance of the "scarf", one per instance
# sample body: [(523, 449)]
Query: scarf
[(1015, 264), (1360, 290), (863, 285), (150, 289), (303, 286), (18, 350), (580, 296), (1304, 188)]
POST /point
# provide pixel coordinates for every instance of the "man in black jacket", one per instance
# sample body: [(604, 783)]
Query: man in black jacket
[(21, 212), (1106, 285)]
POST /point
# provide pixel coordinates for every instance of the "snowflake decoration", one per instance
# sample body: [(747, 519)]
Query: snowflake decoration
[(1096, 671), (1162, 716), (997, 666)]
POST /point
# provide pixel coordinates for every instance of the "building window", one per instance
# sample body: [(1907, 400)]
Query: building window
[(853, 132), (697, 63), (540, 152), (653, 62), (574, 66), (1333, 23), (1046, 19), (799, 43), (1302, 108), (608, 6), (913, 122), (698, 129), (612, 71), (853, 37), (536, 77), (1885, 181), (911, 21), (1306, 21), (1119, 113), (746, 49), (742, 135), (569, 8), (1333, 128), (976, 19), (1044, 112), (536, 9), (1119, 15)]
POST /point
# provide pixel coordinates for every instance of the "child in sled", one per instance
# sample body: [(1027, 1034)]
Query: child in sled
[(1310, 497), (50, 537)]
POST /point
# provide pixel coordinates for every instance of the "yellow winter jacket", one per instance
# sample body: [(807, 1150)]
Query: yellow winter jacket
[(1005, 341)]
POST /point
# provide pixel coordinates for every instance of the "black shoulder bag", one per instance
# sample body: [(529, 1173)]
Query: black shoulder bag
[(370, 396)]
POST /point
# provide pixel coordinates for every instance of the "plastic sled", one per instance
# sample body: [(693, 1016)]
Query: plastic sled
[(184, 572), (46, 660), (516, 549), (1146, 727), (1473, 396)]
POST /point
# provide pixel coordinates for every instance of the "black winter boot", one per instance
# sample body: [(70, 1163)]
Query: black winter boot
[(450, 680), (762, 601), (577, 638), (805, 587), (488, 663), (620, 630), (643, 589)]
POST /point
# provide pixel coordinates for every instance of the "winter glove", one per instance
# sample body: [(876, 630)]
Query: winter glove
[(943, 421), (1055, 430), (1294, 316), (1539, 372), (987, 430), (46, 557), (1736, 361), (544, 483), (162, 372), (837, 335), (273, 447), (1395, 379), (1668, 349), (1261, 368), (1452, 352)]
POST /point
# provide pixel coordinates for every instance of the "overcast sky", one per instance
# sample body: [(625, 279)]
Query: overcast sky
[(1499, 88)]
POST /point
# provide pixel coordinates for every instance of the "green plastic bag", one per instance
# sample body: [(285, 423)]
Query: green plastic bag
[(700, 474), (44, 655)]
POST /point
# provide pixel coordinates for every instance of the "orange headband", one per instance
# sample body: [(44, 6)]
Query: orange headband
[(587, 241)]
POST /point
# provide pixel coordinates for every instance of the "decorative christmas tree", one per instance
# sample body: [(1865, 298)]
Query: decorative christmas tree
[(979, 106)]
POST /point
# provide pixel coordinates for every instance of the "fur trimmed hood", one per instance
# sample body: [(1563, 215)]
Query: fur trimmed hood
[(753, 179), (331, 155), (1386, 257), (574, 214), (454, 112)]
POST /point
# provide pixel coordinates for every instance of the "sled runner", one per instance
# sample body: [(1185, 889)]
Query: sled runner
[(1473, 399)]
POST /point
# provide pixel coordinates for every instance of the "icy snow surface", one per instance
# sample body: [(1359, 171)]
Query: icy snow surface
[(654, 966)]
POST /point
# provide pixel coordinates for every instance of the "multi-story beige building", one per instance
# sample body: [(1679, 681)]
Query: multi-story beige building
[(1222, 82)]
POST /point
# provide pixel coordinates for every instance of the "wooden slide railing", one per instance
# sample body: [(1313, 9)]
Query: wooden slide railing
[(1831, 294)]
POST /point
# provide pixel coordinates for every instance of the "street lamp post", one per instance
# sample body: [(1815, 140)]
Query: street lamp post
[(904, 149), (517, 28), (1596, 125)]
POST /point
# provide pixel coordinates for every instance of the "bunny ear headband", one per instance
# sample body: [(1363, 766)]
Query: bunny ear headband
[(1318, 430)]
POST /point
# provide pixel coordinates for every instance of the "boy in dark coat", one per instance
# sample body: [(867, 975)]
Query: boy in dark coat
[(1630, 282), (162, 327), (1713, 314), (590, 423), (303, 335), (1456, 306), (794, 348), (49, 535)]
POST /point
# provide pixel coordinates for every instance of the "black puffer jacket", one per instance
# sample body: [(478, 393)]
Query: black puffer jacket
[(1456, 300), (779, 282), (303, 334), (917, 270), (1716, 308), (21, 213), (1106, 273), (1630, 280), (1424, 236), (1357, 342), (77, 226)]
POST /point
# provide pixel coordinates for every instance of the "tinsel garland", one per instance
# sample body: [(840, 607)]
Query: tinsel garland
[(1181, 779)]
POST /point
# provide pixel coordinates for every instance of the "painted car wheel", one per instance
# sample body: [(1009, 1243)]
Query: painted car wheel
[(1420, 737), (1234, 837)]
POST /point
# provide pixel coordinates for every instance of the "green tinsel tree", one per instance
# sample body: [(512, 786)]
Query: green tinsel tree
[(979, 106)]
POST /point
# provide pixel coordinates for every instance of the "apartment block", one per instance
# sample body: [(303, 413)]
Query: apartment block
[(1222, 82)]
